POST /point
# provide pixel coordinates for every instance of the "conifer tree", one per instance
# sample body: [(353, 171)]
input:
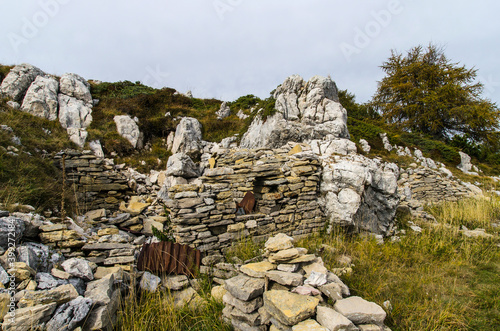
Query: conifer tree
[(423, 91)]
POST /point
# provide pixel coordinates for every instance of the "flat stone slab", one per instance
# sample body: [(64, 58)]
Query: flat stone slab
[(106, 246), (285, 278), (258, 269), (360, 311), (332, 290), (309, 325), (285, 255), (245, 306), (333, 320), (245, 288), (289, 308), (279, 242)]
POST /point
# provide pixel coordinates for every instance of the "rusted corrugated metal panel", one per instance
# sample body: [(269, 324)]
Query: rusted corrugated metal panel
[(169, 257), (248, 203)]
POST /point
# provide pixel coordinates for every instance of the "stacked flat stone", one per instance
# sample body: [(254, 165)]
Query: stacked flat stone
[(285, 183), (289, 291), (97, 181)]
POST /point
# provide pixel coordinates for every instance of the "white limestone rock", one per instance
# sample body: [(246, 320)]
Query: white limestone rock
[(181, 165), (41, 98), (78, 136), (19, 79), (79, 268), (333, 320), (77, 87), (224, 111), (128, 129), (68, 315), (187, 137), (74, 113), (385, 141), (360, 311), (365, 146), (327, 148), (465, 164), (361, 192), (304, 111), (149, 282), (95, 146)]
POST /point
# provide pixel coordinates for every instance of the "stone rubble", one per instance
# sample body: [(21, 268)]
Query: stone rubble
[(262, 298)]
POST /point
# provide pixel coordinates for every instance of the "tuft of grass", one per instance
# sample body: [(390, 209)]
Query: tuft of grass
[(156, 311), (244, 249), (472, 213), (436, 280)]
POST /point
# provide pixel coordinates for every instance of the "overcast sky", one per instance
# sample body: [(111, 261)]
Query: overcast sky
[(228, 48)]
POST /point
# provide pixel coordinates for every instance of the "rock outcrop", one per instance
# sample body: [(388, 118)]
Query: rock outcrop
[(304, 111), (128, 129), (360, 192), (41, 98), (187, 137), (19, 80), (224, 111)]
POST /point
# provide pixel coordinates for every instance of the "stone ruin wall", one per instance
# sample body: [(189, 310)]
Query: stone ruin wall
[(286, 190), (96, 183), (432, 186)]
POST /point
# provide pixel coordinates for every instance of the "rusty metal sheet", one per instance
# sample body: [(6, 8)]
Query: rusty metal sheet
[(170, 258), (248, 203)]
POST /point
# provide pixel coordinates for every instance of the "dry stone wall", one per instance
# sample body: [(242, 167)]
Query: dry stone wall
[(97, 182), (285, 186), (431, 186)]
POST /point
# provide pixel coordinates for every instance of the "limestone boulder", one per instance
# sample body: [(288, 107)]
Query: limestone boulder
[(11, 228), (68, 315), (96, 147), (289, 308), (76, 86), (360, 192), (360, 311), (224, 111), (187, 137), (128, 129), (41, 98), (333, 320), (332, 146), (245, 288), (181, 165), (149, 282), (19, 79), (79, 268), (304, 111), (74, 113), (103, 317)]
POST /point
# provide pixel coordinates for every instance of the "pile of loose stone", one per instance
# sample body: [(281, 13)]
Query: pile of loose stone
[(290, 290), (64, 276)]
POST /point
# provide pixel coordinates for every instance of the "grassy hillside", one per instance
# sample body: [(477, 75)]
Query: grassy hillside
[(28, 176)]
